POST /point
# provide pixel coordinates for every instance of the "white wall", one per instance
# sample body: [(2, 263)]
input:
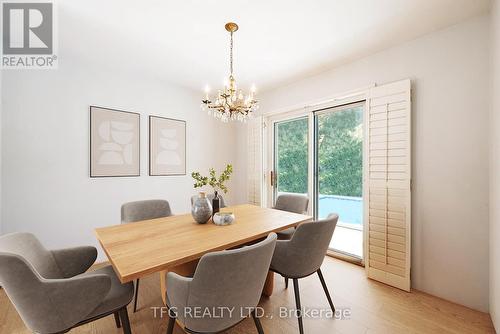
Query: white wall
[(449, 70), (45, 144), (494, 171), (1, 189)]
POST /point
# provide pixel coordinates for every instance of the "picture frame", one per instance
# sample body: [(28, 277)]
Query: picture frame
[(114, 143), (167, 146)]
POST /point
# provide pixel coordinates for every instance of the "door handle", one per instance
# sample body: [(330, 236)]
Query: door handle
[(272, 179)]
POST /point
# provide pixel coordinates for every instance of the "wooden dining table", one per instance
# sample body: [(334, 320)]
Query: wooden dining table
[(176, 243)]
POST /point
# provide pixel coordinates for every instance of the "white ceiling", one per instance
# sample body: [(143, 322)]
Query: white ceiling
[(184, 42)]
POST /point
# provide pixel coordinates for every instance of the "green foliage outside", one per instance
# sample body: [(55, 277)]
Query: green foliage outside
[(340, 154), (291, 141)]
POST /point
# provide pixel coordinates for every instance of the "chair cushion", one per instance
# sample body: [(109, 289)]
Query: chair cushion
[(118, 296), (286, 234)]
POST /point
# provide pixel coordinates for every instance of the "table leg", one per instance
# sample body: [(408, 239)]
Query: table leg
[(186, 269), (269, 285)]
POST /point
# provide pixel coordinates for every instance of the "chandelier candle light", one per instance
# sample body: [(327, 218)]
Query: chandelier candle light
[(230, 104)]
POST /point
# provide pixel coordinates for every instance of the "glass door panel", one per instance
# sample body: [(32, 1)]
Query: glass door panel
[(291, 157), (339, 170)]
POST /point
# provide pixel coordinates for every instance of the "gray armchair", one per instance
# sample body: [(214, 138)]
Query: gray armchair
[(210, 198), (143, 210), (303, 255), (52, 291), (292, 203), (226, 279)]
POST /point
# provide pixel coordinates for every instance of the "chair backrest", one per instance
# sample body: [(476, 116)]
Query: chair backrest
[(46, 301), (210, 198), (292, 202), (307, 248), (229, 279), (27, 247), (144, 210)]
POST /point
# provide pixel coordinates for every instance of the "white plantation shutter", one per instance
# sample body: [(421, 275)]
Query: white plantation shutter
[(254, 160), (388, 184)]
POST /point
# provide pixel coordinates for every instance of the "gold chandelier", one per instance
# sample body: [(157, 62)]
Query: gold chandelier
[(230, 103)]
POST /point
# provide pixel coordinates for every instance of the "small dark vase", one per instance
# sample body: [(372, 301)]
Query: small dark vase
[(216, 203)]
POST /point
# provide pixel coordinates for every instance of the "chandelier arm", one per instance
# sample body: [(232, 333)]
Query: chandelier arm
[(228, 106)]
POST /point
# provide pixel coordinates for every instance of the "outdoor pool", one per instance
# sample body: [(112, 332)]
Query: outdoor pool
[(349, 209)]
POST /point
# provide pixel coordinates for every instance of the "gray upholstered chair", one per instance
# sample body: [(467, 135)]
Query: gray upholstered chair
[(51, 290), (226, 279), (144, 210), (303, 255), (210, 198), (292, 203)]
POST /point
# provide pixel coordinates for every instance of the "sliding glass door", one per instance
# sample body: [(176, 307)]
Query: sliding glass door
[(320, 154), (339, 174)]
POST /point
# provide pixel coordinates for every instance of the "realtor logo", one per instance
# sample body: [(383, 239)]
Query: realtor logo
[(28, 31)]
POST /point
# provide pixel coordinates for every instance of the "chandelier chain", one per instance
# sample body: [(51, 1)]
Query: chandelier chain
[(231, 55)]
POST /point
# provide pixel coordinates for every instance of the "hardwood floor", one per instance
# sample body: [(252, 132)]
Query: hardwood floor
[(374, 308)]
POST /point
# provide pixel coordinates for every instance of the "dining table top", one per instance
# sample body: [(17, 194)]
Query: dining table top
[(141, 248)]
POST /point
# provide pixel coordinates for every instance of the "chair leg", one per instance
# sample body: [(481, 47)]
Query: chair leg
[(297, 302), (117, 320), (323, 283), (256, 320), (136, 294), (124, 319), (171, 323), (286, 283)]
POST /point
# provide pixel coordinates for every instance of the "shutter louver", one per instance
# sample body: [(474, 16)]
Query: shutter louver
[(254, 161), (388, 184)]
